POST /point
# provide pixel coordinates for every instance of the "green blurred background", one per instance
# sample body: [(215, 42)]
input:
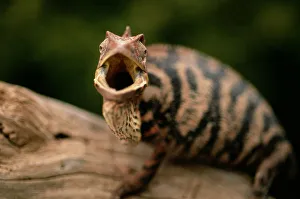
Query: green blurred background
[(51, 46)]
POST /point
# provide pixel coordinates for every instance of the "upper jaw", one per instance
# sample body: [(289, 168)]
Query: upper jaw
[(119, 77), (122, 51)]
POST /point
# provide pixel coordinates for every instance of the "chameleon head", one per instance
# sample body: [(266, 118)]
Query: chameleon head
[(121, 77)]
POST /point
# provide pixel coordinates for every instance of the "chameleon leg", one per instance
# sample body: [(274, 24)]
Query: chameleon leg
[(277, 152), (138, 182), (262, 182)]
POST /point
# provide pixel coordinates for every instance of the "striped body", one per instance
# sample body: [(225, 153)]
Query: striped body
[(186, 105), (205, 110)]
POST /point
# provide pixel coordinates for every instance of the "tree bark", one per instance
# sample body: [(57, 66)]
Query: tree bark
[(51, 149)]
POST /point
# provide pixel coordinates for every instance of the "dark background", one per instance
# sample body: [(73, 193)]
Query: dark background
[(51, 46)]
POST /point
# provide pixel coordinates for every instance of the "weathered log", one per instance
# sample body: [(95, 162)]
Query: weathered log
[(51, 149)]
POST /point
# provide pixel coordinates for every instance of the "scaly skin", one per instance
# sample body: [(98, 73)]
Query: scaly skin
[(190, 104)]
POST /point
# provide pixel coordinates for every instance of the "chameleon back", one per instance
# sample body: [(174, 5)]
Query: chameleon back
[(190, 105), (206, 106), (209, 112)]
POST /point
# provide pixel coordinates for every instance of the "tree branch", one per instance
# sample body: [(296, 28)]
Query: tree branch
[(50, 149)]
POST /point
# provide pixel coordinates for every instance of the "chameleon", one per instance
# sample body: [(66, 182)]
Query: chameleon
[(188, 104)]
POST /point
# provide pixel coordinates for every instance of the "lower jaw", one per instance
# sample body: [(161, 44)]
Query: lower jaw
[(129, 93)]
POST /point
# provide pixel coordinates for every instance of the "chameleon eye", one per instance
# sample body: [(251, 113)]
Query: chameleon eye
[(145, 52)]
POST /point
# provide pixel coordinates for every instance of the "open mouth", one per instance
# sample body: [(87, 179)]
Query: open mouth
[(119, 77), (120, 73)]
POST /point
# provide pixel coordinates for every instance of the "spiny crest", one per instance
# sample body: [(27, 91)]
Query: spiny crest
[(126, 36), (127, 32)]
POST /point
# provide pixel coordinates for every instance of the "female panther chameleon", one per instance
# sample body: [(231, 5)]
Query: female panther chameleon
[(187, 104)]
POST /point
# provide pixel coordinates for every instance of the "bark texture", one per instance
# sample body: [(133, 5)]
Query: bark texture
[(51, 149)]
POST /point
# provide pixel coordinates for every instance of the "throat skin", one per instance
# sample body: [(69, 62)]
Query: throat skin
[(124, 119)]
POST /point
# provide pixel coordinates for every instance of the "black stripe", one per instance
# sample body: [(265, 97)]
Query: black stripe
[(189, 112), (213, 113), (146, 126), (175, 80), (269, 121), (154, 80), (235, 92), (196, 132), (214, 110), (267, 150), (236, 146), (167, 65), (143, 107), (151, 105), (255, 151), (191, 79), (272, 144)]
